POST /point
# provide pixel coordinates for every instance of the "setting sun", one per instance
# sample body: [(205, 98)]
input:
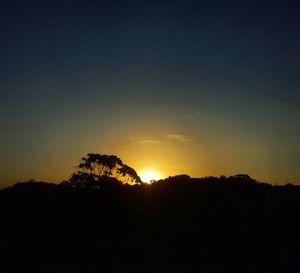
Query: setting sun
[(149, 175)]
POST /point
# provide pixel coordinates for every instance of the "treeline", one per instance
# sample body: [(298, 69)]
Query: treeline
[(225, 224), (182, 224)]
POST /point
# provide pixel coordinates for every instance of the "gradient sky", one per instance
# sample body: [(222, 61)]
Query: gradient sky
[(196, 87)]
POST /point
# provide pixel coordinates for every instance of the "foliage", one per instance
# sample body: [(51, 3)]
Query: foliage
[(95, 168)]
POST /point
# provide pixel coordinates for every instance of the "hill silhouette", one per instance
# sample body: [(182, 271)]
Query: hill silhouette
[(182, 224)]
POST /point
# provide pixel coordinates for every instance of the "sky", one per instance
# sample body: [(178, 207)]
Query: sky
[(181, 87)]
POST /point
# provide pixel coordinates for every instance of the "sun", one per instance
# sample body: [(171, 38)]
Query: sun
[(148, 176)]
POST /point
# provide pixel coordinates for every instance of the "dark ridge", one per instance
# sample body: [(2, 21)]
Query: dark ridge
[(184, 224)]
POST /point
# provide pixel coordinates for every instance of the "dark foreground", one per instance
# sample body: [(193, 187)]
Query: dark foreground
[(177, 225)]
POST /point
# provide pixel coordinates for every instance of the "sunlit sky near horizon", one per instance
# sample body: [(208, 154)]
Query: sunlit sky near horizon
[(195, 87)]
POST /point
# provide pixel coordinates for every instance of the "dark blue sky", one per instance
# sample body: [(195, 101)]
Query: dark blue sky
[(123, 77)]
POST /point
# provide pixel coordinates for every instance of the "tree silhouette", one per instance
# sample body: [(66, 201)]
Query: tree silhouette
[(129, 174), (94, 167), (99, 165)]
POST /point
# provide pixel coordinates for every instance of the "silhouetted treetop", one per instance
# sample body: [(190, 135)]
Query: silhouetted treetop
[(95, 168)]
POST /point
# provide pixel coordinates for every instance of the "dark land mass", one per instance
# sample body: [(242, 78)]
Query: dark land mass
[(182, 224)]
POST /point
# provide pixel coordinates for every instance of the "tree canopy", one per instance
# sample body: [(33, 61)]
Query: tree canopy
[(95, 168)]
